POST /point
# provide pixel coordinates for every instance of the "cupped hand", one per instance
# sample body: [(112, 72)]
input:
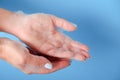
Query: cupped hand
[(26, 60), (39, 31)]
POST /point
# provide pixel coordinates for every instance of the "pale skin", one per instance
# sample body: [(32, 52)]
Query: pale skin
[(39, 32), (22, 58)]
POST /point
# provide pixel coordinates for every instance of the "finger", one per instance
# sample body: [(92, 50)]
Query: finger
[(79, 57), (87, 55), (36, 64), (54, 53), (57, 65), (79, 51), (59, 22), (79, 45), (76, 47), (60, 53), (50, 58)]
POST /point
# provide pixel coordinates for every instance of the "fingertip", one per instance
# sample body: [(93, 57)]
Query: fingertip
[(80, 45), (89, 56), (79, 57), (86, 54), (70, 26), (71, 29), (86, 47), (74, 26)]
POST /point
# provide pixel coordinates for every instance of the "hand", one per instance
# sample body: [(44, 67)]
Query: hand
[(26, 60), (39, 32)]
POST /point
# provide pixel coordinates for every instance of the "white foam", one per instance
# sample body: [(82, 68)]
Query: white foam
[(48, 66)]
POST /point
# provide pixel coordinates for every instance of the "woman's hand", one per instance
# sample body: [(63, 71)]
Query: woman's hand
[(26, 60), (39, 32)]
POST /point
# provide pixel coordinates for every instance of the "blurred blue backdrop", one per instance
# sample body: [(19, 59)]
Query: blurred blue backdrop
[(98, 27)]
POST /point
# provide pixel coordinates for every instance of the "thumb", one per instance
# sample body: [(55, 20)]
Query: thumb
[(37, 64)]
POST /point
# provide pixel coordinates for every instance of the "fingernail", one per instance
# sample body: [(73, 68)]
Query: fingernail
[(74, 24), (48, 66)]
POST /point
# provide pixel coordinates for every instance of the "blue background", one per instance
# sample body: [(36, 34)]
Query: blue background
[(98, 27)]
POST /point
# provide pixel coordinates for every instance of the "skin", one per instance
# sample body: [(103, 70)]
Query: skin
[(27, 60), (39, 32)]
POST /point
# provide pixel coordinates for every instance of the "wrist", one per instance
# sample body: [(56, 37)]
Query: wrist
[(4, 19), (10, 22)]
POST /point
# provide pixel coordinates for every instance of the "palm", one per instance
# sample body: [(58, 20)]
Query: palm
[(42, 35)]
